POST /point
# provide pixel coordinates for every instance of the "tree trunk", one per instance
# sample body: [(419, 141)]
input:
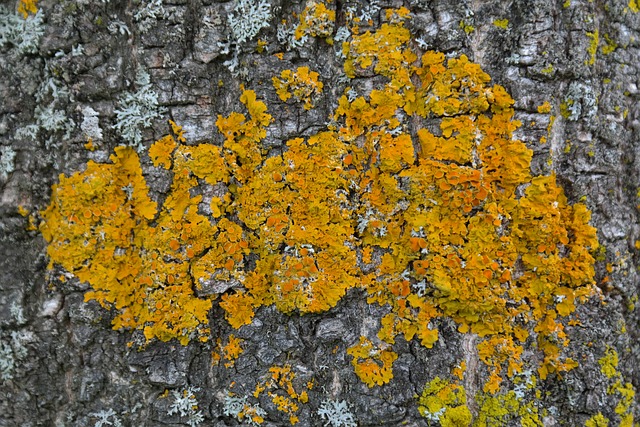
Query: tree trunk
[(314, 305)]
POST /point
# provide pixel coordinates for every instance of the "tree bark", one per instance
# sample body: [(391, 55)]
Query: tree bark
[(62, 364)]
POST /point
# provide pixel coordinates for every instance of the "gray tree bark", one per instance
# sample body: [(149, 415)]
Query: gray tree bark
[(61, 364)]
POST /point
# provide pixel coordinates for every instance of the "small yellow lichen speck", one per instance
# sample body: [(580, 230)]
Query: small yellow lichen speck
[(544, 108), (468, 28), (592, 50), (548, 69), (501, 23), (26, 7)]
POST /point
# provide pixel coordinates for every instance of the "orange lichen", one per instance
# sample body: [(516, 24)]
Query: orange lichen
[(279, 385), (242, 135), (228, 352), (373, 365), (461, 220), (447, 219), (316, 20), (302, 84), (109, 241), (25, 7), (544, 108)]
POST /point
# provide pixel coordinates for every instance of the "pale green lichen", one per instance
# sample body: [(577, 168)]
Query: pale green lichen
[(336, 414), (7, 162), (136, 110), (21, 32), (248, 18)]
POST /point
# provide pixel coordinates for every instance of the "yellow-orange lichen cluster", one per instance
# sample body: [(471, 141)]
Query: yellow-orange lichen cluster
[(302, 84), (279, 385), (418, 193), (26, 7), (372, 364), (99, 227), (316, 20), (228, 352)]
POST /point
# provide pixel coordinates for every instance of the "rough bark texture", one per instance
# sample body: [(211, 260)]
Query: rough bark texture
[(63, 364)]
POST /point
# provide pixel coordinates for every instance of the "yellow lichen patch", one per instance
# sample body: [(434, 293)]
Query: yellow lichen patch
[(618, 387), (161, 151), (228, 352), (609, 363), (501, 23), (445, 403), (98, 226), (316, 20), (238, 309), (624, 408), (387, 47), (302, 84), (459, 370), (447, 219), (25, 7), (302, 210), (373, 365), (467, 27), (598, 420), (456, 218), (456, 148), (544, 108), (592, 50), (548, 69), (610, 45), (242, 136), (32, 220), (279, 385), (261, 45), (508, 409)]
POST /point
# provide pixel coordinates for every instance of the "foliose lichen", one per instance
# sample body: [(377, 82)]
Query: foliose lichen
[(21, 32), (136, 110), (440, 222), (7, 162), (336, 413), (248, 18)]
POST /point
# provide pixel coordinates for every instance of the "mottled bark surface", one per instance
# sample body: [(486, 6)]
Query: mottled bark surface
[(62, 364)]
